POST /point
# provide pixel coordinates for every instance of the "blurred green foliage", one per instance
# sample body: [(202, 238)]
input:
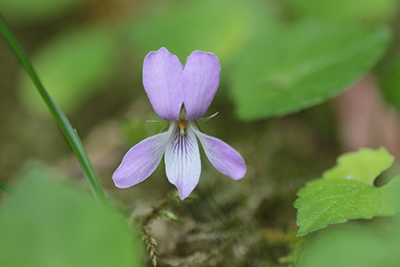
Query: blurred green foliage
[(389, 80), (71, 66), (295, 67), (347, 10), (53, 223), (28, 11), (223, 27)]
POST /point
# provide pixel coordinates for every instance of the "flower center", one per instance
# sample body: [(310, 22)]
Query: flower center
[(182, 124)]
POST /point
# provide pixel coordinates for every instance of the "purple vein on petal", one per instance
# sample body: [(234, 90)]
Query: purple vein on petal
[(182, 161), (141, 160)]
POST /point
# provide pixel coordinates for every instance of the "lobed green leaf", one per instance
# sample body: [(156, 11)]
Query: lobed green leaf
[(346, 192)]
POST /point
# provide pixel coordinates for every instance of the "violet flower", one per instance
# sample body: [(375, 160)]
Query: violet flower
[(180, 95)]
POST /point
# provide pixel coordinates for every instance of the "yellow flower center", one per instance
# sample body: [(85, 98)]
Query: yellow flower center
[(182, 124)]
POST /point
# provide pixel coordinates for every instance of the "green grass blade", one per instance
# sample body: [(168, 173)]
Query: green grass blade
[(58, 115), (6, 188)]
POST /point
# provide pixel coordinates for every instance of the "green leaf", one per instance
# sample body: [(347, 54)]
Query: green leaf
[(292, 68), (49, 223), (348, 10), (219, 26), (37, 11), (346, 192), (72, 67), (357, 244)]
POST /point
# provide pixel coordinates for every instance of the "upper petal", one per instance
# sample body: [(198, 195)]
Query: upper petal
[(222, 156), (163, 82), (200, 81), (182, 161), (141, 161)]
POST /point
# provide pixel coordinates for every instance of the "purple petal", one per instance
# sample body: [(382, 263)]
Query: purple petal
[(163, 82), (224, 158), (182, 161), (141, 161), (200, 80)]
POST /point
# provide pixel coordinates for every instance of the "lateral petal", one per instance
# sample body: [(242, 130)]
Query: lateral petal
[(163, 82), (141, 160), (200, 81), (221, 155), (182, 161)]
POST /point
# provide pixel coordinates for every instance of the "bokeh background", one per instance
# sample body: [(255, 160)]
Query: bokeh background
[(302, 81)]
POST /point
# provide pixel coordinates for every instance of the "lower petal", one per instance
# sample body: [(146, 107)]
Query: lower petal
[(222, 156), (141, 161), (182, 161)]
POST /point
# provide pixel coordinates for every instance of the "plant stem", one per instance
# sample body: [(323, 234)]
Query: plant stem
[(6, 188), (61, 120)]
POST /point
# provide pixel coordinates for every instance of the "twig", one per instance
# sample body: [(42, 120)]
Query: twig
[(144, 222)]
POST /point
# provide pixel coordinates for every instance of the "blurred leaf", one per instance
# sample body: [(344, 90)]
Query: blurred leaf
[(71, 68), (38, 10), (354, 247), (389, 80), (293, 68), (346, 192), (348, 10), (219, 26), (49, 223)]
